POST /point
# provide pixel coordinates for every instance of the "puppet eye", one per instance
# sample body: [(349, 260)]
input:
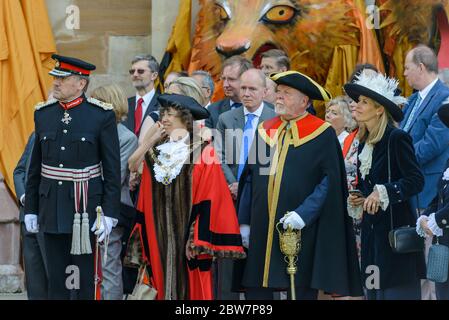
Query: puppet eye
[(279, 15), (221, 13)]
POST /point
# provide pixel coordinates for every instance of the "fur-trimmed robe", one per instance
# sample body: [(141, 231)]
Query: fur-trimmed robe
[(197, 206)]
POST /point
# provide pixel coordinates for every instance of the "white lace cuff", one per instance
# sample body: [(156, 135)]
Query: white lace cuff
[(420, 230), (383, 196), (433, 226), (355, 212)]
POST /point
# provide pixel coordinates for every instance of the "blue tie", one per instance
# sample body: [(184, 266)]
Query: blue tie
[(247, 139), (416, 105)]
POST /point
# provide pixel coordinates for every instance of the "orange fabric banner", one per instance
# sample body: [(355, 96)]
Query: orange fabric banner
[(179, 43), (42, 40), (22, 80)]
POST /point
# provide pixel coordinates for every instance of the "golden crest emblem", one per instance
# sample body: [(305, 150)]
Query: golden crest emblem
[(57, 64)]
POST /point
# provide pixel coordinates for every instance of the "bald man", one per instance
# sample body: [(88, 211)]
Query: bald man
[(236, 130)]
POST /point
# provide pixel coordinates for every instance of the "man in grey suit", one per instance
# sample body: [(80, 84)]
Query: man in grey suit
[(236, 129), (32, 243)]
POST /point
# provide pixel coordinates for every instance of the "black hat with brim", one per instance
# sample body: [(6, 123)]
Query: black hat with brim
[(354, 91), (68, 66), (303, 83), (443, 113), (198, 111)]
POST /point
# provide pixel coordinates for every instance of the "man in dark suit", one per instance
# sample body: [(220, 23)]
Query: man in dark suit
[(231, 71), (143, 72), (74, 168), (32, 243), (236, 129), (430, 136)]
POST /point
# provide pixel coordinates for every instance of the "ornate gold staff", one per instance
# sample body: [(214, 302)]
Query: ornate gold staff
[(290, 245)]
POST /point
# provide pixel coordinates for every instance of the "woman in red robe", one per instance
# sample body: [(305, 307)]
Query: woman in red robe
[(189, 216)]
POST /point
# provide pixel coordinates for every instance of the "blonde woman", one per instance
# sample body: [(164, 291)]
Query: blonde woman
[(377, 110), (112, 284)]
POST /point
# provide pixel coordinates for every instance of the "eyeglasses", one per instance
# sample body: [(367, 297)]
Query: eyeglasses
[(139, 71)]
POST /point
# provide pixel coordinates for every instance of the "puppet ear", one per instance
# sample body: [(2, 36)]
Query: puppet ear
[(345, 57), (398, 13), (401, 36)]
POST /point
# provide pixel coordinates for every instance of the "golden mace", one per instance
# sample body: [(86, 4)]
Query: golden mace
[(290, 245)]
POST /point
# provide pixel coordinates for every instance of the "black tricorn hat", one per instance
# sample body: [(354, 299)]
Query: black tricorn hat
[(443, 113), (379, 88), (198, 111), (303, 83), (68, 66)]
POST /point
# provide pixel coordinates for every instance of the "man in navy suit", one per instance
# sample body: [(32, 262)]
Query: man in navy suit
[(143, 72), (32, 243), (231, 71), (74, 167), (430, 136)]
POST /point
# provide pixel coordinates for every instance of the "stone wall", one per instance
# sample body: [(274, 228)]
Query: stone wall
[(11, 274), (112, 32)]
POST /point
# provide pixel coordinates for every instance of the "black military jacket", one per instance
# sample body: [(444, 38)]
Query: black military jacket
[(88, 138)]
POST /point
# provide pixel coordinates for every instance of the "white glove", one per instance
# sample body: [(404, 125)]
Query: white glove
[(244, 231), (293, 219), (105, 229), (31, 223)]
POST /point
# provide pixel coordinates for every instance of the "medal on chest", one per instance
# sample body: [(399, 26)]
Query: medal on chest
[(66, 119), (67, 106)]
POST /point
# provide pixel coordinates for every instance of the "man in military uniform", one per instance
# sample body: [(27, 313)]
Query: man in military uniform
[(75, 167)]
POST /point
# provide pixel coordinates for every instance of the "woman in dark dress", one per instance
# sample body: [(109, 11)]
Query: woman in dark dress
[(435, 220), (387, 275)]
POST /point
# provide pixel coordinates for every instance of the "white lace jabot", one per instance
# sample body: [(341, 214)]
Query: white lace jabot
[(366, 159), (171, 158)]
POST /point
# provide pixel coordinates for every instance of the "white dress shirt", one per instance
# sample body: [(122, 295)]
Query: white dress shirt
[(146, 101), (424, 92)]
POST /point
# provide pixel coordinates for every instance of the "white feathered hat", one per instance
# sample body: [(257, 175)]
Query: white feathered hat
[(381, 89)]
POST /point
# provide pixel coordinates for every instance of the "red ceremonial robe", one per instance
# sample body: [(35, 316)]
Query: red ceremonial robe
[(211, 225)]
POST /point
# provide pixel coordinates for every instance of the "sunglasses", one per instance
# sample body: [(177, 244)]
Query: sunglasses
[(139, 71)]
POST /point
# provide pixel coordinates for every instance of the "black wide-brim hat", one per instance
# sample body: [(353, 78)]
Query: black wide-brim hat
[(68, 66), (443, 113), (198, 111), (303, 83), (354, 91)]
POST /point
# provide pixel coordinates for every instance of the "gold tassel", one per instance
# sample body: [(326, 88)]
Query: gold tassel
[(76, 250), (85, 238)]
